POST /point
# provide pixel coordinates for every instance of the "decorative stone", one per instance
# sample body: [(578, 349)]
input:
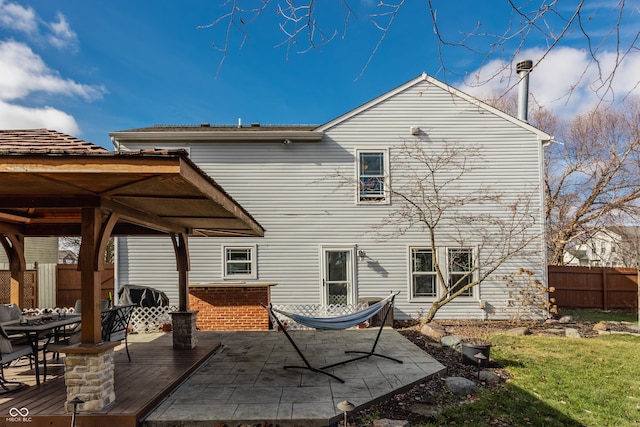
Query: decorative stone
[(520, 331), (390, 423), (601, 326), (566, 319), (451, 341), (184, 330), (94, 386), (572, 333), (489, 377), (460, 386), (433, 331)]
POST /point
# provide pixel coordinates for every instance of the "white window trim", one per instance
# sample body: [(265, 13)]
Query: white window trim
[(442, 253), (387, 181), (254, 262)]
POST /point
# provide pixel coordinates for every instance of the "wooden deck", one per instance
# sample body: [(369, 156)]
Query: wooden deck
[(140, 385)]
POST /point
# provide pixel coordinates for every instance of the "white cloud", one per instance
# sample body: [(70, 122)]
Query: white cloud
[(62, 35), (24, 72), (568, 81), (16, 17), (18, 117)]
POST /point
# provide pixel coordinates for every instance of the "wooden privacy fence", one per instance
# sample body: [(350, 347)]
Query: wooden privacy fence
[(594, 287), (68, 284)]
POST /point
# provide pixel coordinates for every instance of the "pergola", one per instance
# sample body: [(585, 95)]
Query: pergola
[(52, 184)]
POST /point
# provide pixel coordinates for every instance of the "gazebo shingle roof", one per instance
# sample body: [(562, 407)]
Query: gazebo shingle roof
[(44, 141)]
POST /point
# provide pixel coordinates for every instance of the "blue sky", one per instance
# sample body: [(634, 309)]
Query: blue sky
[(88, 68)]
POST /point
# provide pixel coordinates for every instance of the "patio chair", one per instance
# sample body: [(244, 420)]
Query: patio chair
[(336, 323), (9, 353), (115, 324)]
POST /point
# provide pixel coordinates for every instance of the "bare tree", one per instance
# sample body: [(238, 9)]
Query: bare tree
[(309, 24), (72, 243), (434, 194), (591, 179)]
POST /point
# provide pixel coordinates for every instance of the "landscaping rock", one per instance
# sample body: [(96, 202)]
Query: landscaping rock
[(566, 319), (390, 423), (519, 331), (550, 321), (602, 326), (460, 386), (451, 342), (572, 333), (489, 377), (433, 331), (424, 409)]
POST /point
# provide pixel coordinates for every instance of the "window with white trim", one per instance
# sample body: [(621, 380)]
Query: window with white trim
[(373, 176), (460, 270), (239, 262), (423, 273)]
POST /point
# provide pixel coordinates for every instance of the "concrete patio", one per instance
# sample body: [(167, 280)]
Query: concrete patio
[(245, 383)]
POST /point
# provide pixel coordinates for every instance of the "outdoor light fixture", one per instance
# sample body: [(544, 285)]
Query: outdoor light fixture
[(346, 406), (414, 130), (75, 402), (362, 255)]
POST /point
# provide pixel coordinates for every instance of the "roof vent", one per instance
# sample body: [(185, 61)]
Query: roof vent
[(523, 68)]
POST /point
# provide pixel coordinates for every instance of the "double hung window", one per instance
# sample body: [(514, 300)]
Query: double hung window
[(423, 273), (373, 176), (458, 272)]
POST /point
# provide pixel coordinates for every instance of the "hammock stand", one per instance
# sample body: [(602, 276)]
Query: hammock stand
[(336, 323)]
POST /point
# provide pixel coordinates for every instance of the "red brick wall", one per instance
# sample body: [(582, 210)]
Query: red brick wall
[(230, 309)]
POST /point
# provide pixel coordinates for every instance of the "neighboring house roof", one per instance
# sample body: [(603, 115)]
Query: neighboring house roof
[(426, 78)]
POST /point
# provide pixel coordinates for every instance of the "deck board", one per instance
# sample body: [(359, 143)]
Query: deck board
[(140, 385)]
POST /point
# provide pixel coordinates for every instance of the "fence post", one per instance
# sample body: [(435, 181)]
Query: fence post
[(605, 302)]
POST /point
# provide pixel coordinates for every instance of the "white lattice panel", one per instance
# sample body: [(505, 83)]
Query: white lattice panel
[(143, 319), (313, 310), (150, 319)]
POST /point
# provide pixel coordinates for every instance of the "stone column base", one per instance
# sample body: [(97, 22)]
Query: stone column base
[(89, 372), (184, 330)]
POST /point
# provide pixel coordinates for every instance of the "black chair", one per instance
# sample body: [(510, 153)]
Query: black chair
[(115, 325), (9, 353)]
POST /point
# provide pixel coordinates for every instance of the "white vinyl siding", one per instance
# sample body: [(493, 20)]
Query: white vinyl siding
[(296, 193)]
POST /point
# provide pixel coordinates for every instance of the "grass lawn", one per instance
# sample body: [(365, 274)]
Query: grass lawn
[(599, 315), (559, 382)]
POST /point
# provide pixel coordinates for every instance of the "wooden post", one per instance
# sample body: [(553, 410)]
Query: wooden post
[(91, 331), (181, 249), (605, 291)]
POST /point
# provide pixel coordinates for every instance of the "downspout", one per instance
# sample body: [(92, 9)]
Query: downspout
[(523, 68)]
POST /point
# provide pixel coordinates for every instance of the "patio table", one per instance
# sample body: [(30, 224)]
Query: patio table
[(39, 327)]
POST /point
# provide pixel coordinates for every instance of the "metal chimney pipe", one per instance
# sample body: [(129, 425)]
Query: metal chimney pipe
[(523, 68)]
